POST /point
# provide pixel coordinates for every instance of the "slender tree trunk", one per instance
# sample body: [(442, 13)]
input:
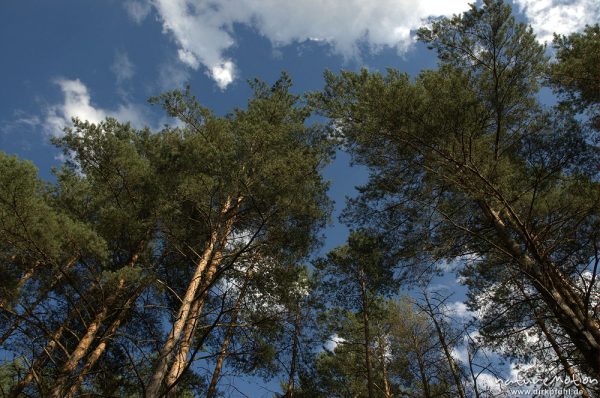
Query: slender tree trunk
[(85, 343), (387, 391), (82, 348), (295, 347), (565, 363), (212, 388), (366, 324), (95, 355), (39, 362), (208, 278), (180, 361), (442, 339), (22, 280), (168, 349), (421, 365)]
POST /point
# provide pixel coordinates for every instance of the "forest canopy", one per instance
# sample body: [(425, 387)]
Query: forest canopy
[(156, 261)]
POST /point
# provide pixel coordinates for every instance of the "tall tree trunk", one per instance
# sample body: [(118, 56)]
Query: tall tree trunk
[(421, 365), (208, 278), (554, 288), (447, 352), (561, 357), (367, 342), (553, 343), (387, 391), (39, 361), (289, 393), (95, 355), (85, 343), (168, 349), (82, 348), (212, 388), (180, 361)]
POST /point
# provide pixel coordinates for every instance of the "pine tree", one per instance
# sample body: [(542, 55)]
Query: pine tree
[(465, 162)]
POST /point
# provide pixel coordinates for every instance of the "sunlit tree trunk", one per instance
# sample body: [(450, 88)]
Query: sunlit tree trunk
[(95, 355), (42, 297), (208, 278), (421, 365), (169, 348), (39, 361), (387, 391), (554, 344), (85, 343)]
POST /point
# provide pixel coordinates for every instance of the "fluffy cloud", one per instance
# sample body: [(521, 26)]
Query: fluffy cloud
[(559, 16), (203, 30), (77, 103)]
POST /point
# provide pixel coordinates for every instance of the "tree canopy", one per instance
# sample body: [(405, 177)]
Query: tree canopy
[(156, 262)]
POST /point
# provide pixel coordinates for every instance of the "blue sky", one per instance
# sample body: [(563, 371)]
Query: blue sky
[(94, 59)]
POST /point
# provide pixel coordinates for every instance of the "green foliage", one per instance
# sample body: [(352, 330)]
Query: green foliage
[(575, 75), (404, 341), (466, 166)]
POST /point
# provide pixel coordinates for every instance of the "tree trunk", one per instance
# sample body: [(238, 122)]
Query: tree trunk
[(555, 290), (41, 298), (39, 361), (208, 278), (565, 363), (101, 347), (447, 353), (184, 347), (212, 388), (168, 349), (421, 365), (370, 382), (554, 344), (85, 343), (387, 391), (295, 346)]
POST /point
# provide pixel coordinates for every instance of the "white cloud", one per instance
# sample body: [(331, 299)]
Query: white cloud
[(203, 30), (559, 16), (459, 353), (137, 10), (333, 341), (223, 74), (459, 309), (77, 103), (122, 67)]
